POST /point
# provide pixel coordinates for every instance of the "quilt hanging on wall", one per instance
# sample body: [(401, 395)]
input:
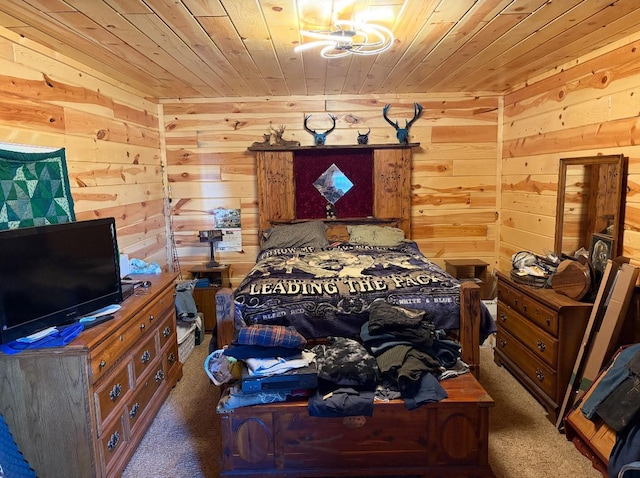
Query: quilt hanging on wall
[(34, 189)]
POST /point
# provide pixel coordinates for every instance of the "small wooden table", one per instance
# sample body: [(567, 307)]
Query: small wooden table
[(205, 297), (469, 269)]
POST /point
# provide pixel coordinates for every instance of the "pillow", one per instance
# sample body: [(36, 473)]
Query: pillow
[(375, 235), (312, 233)]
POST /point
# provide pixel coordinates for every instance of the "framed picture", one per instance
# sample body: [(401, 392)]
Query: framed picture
[(600, 251)]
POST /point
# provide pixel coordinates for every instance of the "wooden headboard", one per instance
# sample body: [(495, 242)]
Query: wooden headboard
[(391, 188)]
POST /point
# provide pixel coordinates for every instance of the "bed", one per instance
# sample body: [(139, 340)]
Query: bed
[(324, 286)]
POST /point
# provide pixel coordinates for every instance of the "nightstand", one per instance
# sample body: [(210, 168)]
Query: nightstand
[(205, 297), (469, 270)]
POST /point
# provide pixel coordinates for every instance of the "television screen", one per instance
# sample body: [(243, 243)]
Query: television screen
[(53, 275)]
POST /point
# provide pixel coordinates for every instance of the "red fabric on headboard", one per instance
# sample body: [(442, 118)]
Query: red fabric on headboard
[(357, 165)]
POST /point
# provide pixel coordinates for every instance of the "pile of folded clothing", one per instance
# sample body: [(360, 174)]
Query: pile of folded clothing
[(347, 377), (409, 353), (274, 366)]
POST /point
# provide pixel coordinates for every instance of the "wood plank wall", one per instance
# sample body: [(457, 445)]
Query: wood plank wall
[(115, 151), (454, 169), (111, 136), (589, 107)]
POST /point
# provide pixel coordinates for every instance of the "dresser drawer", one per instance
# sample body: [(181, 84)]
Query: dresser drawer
[(541, 315), (534, 368), (105, 356), (111, 392), (112, 443), (144, 355), (162, 304), (541, 343), (155, 312), (137, 328), (167, 330), (509, 296), (171, 356), (145, 390)]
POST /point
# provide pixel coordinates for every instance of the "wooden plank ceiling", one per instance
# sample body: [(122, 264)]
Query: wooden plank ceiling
[(245, 48)]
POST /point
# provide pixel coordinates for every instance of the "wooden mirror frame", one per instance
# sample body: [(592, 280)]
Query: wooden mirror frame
[(604, 201)]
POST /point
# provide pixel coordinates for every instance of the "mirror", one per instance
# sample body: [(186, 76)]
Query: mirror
[(590, 207), (333, 184)]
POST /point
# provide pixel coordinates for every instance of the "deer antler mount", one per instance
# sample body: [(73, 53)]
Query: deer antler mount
[(403, 133), (319, 138)]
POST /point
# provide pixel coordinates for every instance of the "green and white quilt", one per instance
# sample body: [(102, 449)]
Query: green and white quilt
[(34, 189)]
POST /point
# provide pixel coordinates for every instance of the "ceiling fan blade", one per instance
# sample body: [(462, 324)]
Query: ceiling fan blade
[(350, 37), (326, 52), (317, 34), (313, 44)]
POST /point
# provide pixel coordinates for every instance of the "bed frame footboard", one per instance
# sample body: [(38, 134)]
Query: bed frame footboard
[(470, 314), (469, 322), (449, 438)]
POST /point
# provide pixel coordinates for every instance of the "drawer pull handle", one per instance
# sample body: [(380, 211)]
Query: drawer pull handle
[(503, 316), (142, 326), (159, 375), (113, 441), (151, 317), (539, 374), (541, 345), (503, 342), (134, 410), (172, 357), (102, 364), (167, 331), (146, 356), (115, 392)]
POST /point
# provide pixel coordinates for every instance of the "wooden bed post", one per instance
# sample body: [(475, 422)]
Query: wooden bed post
[(225, 316), (470, 326)]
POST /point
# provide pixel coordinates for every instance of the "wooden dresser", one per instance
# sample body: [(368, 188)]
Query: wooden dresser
[(81, 410), (539, 335)]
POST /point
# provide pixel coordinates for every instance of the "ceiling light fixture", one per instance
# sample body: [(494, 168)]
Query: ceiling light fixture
[(349, 38)]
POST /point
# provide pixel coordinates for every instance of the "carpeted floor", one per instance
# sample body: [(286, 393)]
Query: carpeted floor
[(522, 442), (184, 439)]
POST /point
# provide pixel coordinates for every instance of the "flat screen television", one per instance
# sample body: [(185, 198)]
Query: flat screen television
[(53, 275)]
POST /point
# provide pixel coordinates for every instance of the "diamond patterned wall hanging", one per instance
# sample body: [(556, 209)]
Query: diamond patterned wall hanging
[(34, 189)]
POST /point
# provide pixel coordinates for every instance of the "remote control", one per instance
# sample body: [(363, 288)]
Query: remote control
[(89, 322)]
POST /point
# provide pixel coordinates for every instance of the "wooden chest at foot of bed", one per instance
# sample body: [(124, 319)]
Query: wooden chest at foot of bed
[(448, 438)]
